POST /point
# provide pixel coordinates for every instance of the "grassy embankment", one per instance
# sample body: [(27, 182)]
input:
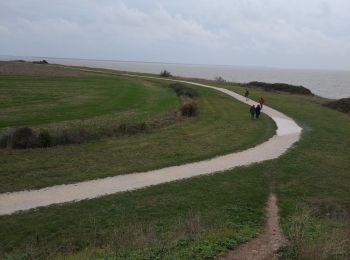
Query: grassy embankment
[(202, 217), (43, 101), (312, 181), (220, 119)]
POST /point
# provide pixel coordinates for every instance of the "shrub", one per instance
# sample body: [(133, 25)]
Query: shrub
[(220, 79), (183, 90), (165, 73), (40, 62), (72, 136), (342, 105), (23, 138), (44, 138), (280, 87), (122, 129), (136, 128), (4, 140), (189, 107)]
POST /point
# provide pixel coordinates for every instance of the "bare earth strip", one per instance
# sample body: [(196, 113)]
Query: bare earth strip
[(288, 132), (265, 246)]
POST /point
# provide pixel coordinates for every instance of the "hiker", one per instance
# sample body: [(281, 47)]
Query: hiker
[(246, 94), (261, 102), (257, 111), (252, 111)]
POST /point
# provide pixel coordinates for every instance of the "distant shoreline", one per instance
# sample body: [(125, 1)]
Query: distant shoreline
[(176, 63), (324, 83)]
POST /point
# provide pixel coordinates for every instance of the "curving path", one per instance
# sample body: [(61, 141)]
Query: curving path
[(288, 132)]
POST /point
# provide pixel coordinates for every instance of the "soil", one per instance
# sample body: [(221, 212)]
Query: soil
[(266, 245)]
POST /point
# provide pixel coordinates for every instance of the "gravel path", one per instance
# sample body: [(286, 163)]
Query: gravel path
[(288, 132)]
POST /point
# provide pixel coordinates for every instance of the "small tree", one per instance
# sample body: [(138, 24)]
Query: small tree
[(220, 79), (165, 73)]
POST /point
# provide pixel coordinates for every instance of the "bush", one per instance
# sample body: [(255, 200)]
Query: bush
[(23, 138), (279, 87), (136, 128), (342, 105), (40, 62), (219, 79), (183, 90), (44, 138), (165, 73), (72, 136), (189, 107), (4, 140)]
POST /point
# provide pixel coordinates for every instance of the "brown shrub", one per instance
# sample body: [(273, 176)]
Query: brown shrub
[(189, 107)]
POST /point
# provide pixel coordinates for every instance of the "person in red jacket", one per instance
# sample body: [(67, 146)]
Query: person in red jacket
[(261, 102)]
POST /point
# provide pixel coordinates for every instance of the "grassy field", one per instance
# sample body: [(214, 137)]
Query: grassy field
[(202, 217), (43, 100), (220, 119), (191, 219)]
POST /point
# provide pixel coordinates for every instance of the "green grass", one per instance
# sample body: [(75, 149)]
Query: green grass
[(313, 177), (202, 217), (222, 126), (190, 219), (41, 100)]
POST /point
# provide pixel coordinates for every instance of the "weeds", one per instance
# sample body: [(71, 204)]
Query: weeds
[(318, 236)]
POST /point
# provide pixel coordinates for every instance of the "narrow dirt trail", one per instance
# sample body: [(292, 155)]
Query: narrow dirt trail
[(265, 246), (287, 134)]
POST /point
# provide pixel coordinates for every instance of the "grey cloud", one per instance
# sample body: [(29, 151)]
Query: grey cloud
[(297, 33)]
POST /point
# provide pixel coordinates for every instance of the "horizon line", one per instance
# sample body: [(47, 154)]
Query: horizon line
[(175, 63)]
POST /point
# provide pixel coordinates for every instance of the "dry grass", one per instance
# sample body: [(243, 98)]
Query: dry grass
[(315, 239)]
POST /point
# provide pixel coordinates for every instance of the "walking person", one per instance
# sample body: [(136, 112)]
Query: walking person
[(252, 111), (246, 94), (257, 111), (261, 102)]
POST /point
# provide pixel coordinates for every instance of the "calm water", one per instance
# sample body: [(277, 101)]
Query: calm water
[(326, 83)]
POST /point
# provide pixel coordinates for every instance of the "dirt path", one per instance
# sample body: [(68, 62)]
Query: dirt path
[(265, 246), (288, 133)]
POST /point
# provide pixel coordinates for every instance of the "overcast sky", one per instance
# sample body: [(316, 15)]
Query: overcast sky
[(274, 33)]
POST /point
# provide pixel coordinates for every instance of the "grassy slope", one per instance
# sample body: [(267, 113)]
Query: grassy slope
[(40, 100), (186, 220), (314, 175), (312, 181), (220, 119)]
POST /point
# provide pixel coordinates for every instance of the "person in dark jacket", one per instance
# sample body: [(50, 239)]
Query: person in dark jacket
[(257, 111), (252, 111), (246, 94)]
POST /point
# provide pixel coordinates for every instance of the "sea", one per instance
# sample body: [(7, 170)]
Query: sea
[(333, 84)]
